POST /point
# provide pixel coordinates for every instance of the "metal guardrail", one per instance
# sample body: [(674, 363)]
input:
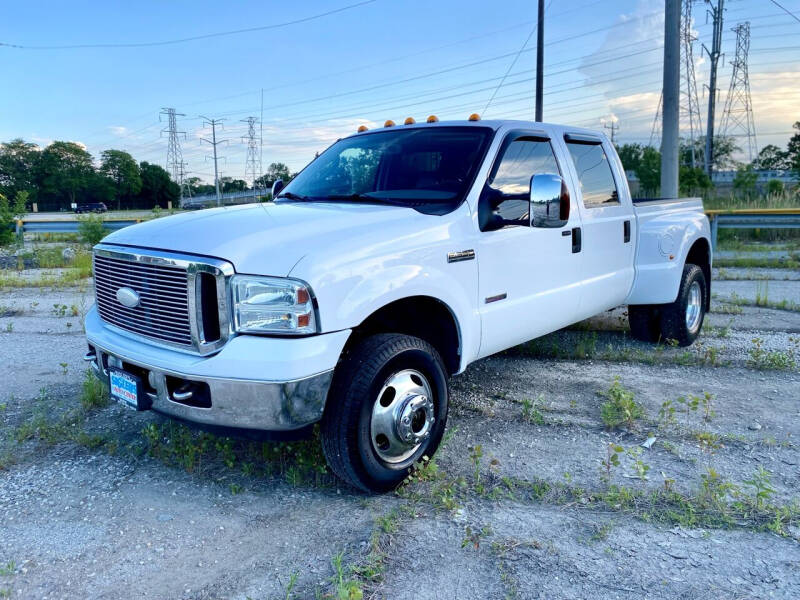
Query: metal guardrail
[(757, 218), (764, 218), (25, 226)]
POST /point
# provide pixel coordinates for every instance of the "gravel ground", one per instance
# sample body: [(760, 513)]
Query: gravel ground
[(86, 520)]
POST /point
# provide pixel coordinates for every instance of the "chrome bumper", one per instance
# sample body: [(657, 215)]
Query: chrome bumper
[(236, 403)]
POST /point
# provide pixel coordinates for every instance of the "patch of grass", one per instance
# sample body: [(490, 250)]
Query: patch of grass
[(94, 393), (175, 444), (531, 412), (750, 262), (346, 587), (620, 406), (773, 360), (8, 569)]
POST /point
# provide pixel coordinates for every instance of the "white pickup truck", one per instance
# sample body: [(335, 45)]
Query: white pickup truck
[(391, 262)]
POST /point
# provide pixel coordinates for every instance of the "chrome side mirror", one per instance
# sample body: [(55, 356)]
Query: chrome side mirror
[(549, 201), (276, 188)]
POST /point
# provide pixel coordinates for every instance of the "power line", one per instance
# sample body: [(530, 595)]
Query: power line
[(252, 165), (786, 10), (192, 38)]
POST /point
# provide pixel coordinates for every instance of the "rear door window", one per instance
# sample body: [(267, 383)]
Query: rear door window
[(596, 178)]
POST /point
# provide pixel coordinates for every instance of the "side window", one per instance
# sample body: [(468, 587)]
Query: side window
[(509, 185), (594, 173)]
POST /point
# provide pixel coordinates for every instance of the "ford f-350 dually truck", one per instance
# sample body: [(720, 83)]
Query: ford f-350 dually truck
[(390, 263)]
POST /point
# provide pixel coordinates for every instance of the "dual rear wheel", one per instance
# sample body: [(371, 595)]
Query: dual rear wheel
[(680, 320)]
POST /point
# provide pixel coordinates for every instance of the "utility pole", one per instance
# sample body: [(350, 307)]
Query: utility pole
[(737, 116), (614, 129), (252, 165), (213, 141), (539, 61), (713, 55), (175, 164), (690, 105), (671, 95)]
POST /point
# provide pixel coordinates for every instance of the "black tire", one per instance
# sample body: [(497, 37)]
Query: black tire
[(644, 323), (673, 316), (358, 380)]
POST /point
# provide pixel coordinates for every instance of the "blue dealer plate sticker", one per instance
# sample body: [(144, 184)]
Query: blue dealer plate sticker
[(124, 388)]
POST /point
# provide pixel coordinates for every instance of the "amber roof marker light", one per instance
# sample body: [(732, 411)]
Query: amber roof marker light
[(362, 128), (409, 121), (433, 119), (474, 117), (389, 123)]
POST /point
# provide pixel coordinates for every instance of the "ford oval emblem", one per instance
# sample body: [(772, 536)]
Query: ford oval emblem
[(128, 297)]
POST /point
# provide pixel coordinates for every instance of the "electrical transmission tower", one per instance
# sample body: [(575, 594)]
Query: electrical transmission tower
[(689, 104), (737, 116), (252, 166), (214, 143), (175, 164)]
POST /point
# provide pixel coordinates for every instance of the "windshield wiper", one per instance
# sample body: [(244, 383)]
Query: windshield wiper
[(292, 196), (365, 198)]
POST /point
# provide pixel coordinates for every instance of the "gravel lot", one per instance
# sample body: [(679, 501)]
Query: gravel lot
[(89, 508)]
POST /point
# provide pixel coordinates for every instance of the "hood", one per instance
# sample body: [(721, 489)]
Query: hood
[(264, 239)]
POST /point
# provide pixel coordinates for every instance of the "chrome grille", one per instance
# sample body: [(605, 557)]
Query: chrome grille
[(163, 312), (170, 295)]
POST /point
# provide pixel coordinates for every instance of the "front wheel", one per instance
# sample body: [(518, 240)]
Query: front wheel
[(386, 410)]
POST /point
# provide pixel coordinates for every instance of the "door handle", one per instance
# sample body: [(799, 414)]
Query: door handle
[(576, 240), (626, 232)]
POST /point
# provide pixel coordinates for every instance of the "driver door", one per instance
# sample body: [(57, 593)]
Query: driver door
[(529, 277)]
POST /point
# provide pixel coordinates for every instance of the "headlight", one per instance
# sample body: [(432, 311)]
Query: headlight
[(272, 305)]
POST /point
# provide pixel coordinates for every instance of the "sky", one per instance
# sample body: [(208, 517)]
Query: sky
[(325, 68)]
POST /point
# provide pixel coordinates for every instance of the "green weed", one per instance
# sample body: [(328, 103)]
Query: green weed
[(620, 407)]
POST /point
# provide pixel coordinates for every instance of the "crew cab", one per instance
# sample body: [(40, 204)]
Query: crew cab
[(395, 259)]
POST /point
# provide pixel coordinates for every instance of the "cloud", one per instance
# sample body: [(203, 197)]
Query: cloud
[(118, 130)]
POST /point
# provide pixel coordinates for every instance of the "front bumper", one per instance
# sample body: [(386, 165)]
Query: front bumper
[(260, 383)]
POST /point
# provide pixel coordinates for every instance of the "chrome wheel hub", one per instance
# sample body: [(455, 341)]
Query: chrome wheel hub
[(402, 416), (694, 307)]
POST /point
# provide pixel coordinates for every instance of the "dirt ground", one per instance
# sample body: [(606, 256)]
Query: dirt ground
[(101, 502)]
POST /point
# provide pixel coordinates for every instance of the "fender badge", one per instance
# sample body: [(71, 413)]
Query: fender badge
[(460, 255)]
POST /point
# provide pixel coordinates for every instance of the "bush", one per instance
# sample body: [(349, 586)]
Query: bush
[(91, 229), (775, 187), (9, 213)]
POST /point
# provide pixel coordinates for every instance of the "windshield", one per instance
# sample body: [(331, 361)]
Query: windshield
[(427, 168)]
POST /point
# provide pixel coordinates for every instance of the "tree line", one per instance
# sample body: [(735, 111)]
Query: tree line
[(64, 173), (645, 162)]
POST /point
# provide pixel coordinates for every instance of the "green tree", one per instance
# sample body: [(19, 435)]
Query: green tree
[(771, 158), (157, 189), (724, 149), (631, 156), (745, 180), (18, 165), (693, 180), (123, 171), (793, 149), (229, 184), (274, 172), (65, 170), (649, 170)]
